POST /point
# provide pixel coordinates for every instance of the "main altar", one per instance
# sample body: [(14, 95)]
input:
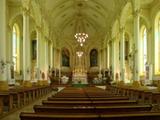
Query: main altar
[(79, 73), (79, 76)]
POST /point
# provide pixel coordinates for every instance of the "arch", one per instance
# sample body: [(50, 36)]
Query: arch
[(65, 57), (13, 18), (145, 21), (127, 10), (93, 58), (115, 29)]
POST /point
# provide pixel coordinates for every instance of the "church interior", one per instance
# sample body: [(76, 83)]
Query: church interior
[(80, 59)]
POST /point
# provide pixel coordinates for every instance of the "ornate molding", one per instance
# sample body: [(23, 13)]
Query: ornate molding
[(26, 11), (39, 29), (122, 29), (136, 13)]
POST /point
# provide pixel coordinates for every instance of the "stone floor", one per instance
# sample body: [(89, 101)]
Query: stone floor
[(28, 108)]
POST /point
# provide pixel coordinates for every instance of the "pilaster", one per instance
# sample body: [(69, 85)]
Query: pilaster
[(122, 54)]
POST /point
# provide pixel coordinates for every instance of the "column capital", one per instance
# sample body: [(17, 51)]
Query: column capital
[(39, 29), (121, 29), (26, 11), (9, 27), (149, 29), (46, 38), (25, 3), (113, 39), (136, 13)]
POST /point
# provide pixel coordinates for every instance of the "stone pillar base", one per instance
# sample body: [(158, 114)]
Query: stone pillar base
[(45, 82), (27, 84), (4, 86), (39, 83), (136, 84), (120, 83), (158, 87), (42, 82)]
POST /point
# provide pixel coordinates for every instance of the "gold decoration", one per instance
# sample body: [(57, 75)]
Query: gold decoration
[(4, 86), (136, 84), (27, 83)]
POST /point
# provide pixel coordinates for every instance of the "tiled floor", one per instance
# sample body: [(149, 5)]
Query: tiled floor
[(29, 108)]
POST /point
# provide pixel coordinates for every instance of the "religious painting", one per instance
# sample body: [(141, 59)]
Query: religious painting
[(34, 49), (94, 58), (65, 57)]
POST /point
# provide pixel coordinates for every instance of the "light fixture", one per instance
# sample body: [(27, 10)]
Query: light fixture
[(81, 38), (79, 53)]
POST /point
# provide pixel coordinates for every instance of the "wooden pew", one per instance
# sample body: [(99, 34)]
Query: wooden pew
[(131, 116), (89, 103), (117, 116), (86, 98), (90, 109), (34, 116)]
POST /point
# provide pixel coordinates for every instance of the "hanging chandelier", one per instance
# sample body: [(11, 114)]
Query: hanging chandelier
[(81, 38), (79, 53)]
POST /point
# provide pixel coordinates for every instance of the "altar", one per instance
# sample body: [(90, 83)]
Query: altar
[(79, 73), (79, 76)]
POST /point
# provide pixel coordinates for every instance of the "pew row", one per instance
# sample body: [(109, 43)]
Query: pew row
[(91, 109), (89, 103), (87, 98), (117, 116)]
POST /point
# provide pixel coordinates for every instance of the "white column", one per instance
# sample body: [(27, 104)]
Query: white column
[(122, 54), (3, 40), (46, 58), (105, 58), (109, 54), (9, 55), (54, 58), (136, 40), (51, 54), (9, 44), (54, 53), (150, 52), (113, 62), (39, 54), (100, 61), (59, 64), (26, 47)]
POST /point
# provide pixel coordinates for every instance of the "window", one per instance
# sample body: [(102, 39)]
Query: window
[(143, 52), (15, 47), (157, 44), (65, 57), (93, 58)]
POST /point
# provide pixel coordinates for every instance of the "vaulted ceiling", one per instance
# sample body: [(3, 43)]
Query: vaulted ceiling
[(94, 17)]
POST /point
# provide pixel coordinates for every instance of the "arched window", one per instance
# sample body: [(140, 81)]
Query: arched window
[(157, 44), (143, 52), (65, 57), (93, 58), (16, 47)]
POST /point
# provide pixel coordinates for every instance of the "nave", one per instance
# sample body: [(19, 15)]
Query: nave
[(45, 44)]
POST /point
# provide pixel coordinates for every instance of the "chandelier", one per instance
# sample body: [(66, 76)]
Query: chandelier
[(81, 38), (79, 53)]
